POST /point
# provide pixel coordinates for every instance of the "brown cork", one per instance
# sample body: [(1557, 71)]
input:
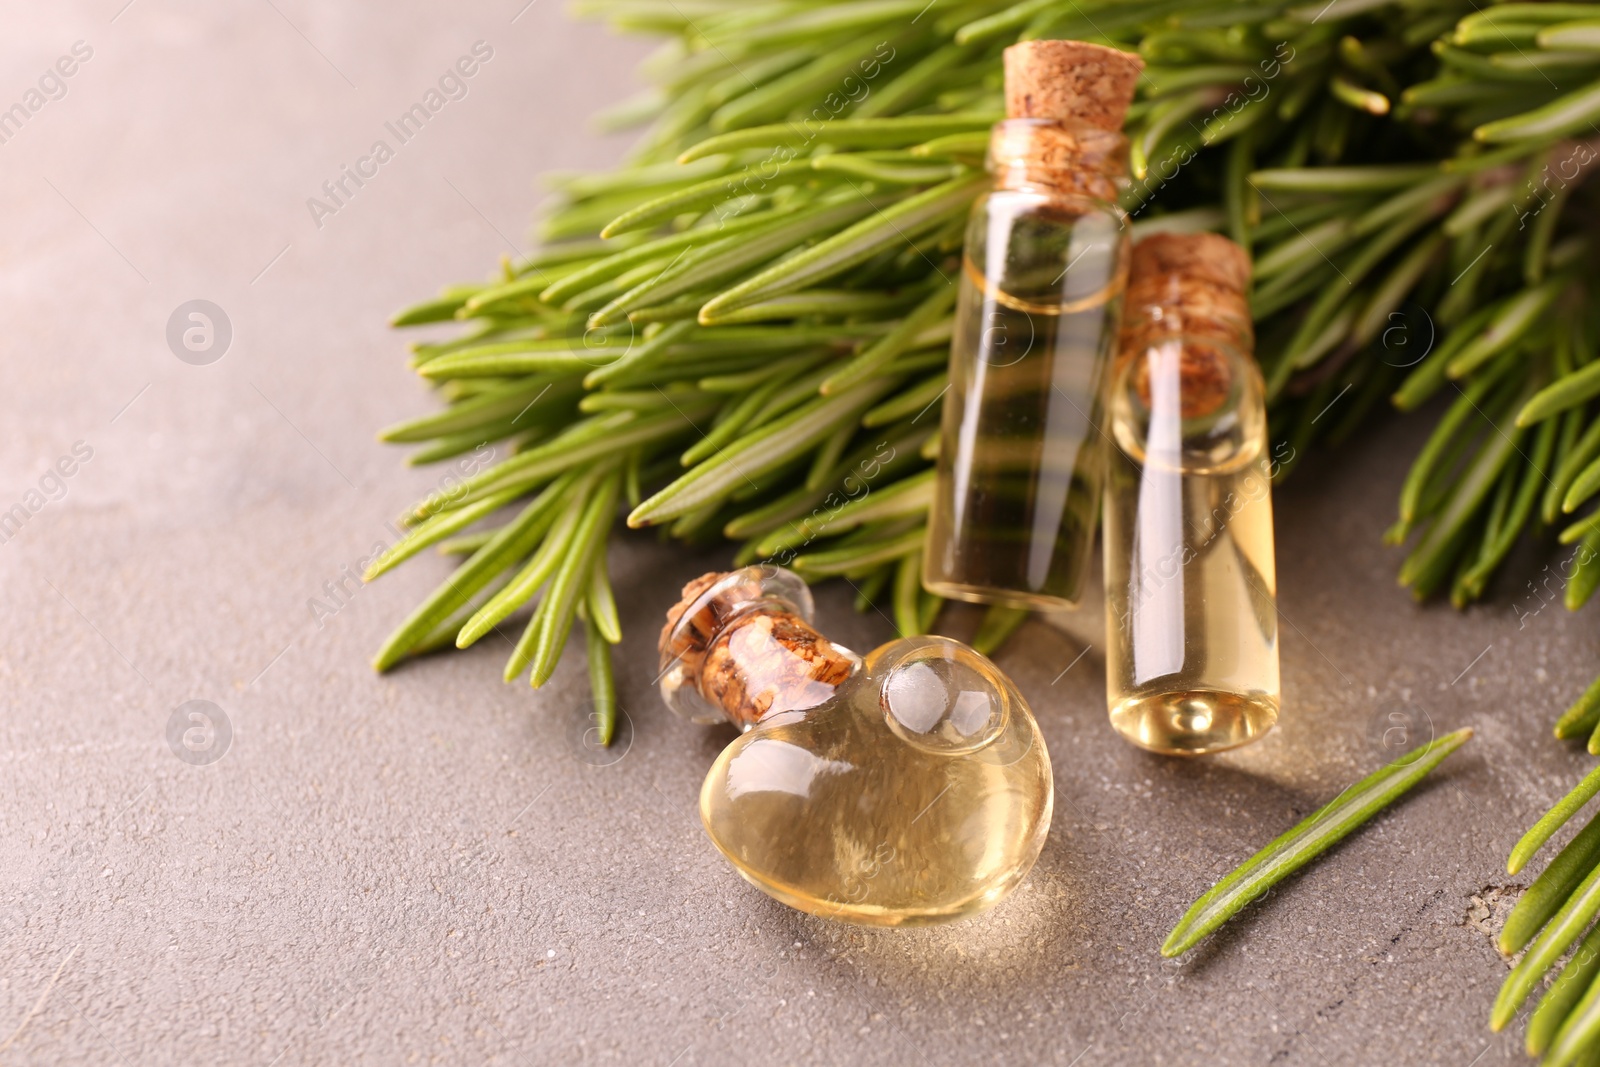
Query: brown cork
[(690, 646), (1064, 159), (1194, 259), (747, 656), (1070, 81), (1193, 285)]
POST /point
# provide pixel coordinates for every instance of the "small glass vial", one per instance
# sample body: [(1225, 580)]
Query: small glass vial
[(905, 788), (1191, 610), (1021, 454)]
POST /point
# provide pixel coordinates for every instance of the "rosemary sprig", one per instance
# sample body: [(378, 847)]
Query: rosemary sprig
[(745, 348)]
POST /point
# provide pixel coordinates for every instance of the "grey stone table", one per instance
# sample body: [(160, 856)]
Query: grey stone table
[(429, 866)]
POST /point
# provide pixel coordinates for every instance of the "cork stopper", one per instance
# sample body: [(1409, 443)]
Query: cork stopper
[(1195, 286), (1207, 267), (739, 646), (1070, 81)]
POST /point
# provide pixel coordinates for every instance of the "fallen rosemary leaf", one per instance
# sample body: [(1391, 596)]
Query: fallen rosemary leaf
[(1316, 834)]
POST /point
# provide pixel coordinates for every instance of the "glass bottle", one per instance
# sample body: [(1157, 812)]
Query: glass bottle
[(1191, 615), (908, 787), (1021, 453)]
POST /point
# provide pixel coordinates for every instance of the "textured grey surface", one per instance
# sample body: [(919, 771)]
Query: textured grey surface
[(420, 868)]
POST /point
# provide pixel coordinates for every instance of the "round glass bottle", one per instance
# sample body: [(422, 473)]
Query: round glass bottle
[(908, 787)]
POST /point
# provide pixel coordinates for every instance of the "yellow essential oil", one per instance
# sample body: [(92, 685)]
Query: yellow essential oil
[(905, 788), (1022, 455), (1191, 620)]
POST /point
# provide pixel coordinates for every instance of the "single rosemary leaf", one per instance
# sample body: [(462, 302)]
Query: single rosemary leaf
[(464, 545), (887, 173), (854, 558), (435, 529), (1572, 463), (847, 133), (1510, 323), (907, 586), (600, 605), (476, 412), (1581, 584), (757, 453), (571, 582), (602, 682), (1368, 179), (891, 227), (998, 623), (916, 399), (1584, 714), (817, 303), (1584, 486), (442, 309), (1567, 114), (1321, 830), (565, 356), (1553, 820)]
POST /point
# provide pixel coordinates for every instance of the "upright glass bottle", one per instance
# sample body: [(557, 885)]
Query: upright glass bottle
[(906, 788), (1191, 615), (1021, 454)]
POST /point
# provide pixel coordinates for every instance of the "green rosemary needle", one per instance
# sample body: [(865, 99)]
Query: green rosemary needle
[(1317, 833)]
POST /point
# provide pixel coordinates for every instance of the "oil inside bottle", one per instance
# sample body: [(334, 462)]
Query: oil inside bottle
[(1192, 657), (1021, 452), (911, 787)]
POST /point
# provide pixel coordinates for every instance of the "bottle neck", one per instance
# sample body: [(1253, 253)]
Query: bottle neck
[(739, 647), (1058, 158), (1196, 347)]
